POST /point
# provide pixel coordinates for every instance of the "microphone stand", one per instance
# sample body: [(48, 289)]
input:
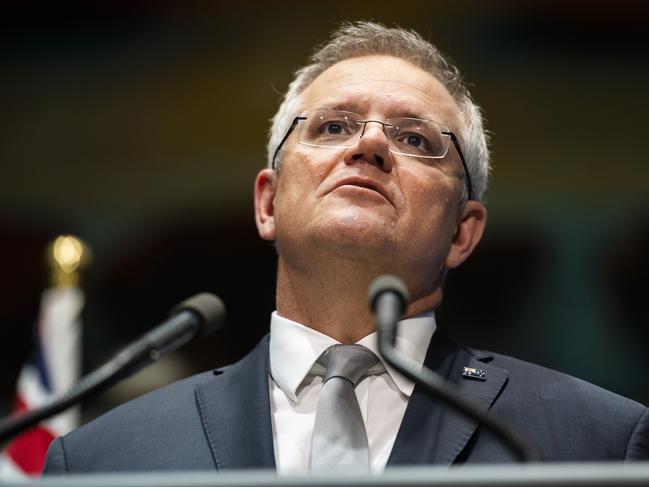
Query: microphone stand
[(201, 313), (387, 312)]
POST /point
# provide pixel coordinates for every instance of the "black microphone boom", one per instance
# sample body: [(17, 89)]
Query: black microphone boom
[(388, 298), (201, 314)]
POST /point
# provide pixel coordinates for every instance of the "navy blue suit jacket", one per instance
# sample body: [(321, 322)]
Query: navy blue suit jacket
[(221, 420)]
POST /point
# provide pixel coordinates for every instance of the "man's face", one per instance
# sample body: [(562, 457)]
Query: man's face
[(399, 214)]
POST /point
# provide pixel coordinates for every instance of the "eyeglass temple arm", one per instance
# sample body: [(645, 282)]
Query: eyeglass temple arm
[(456, 143), (288, 133)]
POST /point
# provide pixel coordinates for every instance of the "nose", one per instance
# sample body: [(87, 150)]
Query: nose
[(371, 147)]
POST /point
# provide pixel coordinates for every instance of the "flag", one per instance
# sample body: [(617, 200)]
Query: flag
[(53, 367)]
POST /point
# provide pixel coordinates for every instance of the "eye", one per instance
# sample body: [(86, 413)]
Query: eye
[(418, 138), (333, 128), (415, 141), (330, 128)]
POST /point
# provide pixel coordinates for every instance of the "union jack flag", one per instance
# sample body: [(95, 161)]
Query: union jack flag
[(53, 367)]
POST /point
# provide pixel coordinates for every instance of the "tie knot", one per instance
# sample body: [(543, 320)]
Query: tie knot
[(349, 362)]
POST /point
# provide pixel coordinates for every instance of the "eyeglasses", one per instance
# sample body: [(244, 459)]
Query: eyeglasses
[(412, 137)]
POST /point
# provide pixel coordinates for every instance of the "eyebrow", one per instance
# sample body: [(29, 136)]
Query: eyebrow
[(419, 115), (335, 105), (353, 107)]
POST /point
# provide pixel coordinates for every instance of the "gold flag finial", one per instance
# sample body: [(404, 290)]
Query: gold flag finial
[(67, 255)]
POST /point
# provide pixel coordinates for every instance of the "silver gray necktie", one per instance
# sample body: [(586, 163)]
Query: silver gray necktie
[(339, 437)]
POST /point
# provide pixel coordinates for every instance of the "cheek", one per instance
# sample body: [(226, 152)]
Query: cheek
[(426, 188), (304, 173), (297, 185), (432, 207)]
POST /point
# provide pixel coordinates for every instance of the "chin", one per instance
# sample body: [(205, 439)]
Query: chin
[(357, 237)]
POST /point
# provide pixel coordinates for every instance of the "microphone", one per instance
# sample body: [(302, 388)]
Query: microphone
[(388, 299), (199, 315)]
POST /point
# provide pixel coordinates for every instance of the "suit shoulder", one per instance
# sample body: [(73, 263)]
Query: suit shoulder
[(158, 420), (554, 386), (163, 430), (569, 418), (159, 401)]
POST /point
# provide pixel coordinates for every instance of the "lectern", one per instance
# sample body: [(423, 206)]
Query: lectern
[(534, 475)]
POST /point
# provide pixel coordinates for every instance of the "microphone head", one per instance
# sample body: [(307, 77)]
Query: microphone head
[(208, 308), (388, 283)]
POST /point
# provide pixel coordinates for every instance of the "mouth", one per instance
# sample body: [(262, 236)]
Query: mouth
[(362, 182)]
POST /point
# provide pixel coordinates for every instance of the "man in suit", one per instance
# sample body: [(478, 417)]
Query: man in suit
[(378, 163)]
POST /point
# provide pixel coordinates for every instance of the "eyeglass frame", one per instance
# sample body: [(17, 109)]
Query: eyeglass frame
[(451, 135)]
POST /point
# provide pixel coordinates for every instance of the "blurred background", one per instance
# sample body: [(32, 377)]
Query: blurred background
[(139, 127)]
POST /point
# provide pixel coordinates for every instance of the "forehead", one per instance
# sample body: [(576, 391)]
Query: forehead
[(382, 86)]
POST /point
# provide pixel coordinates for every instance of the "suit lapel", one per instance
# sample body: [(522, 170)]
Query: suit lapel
[(432, 432), (235, 411)]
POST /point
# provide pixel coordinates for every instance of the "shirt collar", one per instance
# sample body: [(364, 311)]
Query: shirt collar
[(294, 348)]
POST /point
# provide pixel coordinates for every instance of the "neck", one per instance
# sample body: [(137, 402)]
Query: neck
[(332, 299)]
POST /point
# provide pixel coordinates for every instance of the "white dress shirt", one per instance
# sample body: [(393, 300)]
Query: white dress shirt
[(294, 389)]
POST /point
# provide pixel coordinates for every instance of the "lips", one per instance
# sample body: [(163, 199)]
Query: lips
[(363, 182)]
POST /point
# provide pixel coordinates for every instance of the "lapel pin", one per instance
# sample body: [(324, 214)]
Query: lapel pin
[(471, 373)]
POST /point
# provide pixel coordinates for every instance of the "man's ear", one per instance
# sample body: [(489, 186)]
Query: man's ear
[(469, 231), (265, 188)]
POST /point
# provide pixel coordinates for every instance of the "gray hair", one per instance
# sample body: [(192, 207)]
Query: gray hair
[(357, 39)]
